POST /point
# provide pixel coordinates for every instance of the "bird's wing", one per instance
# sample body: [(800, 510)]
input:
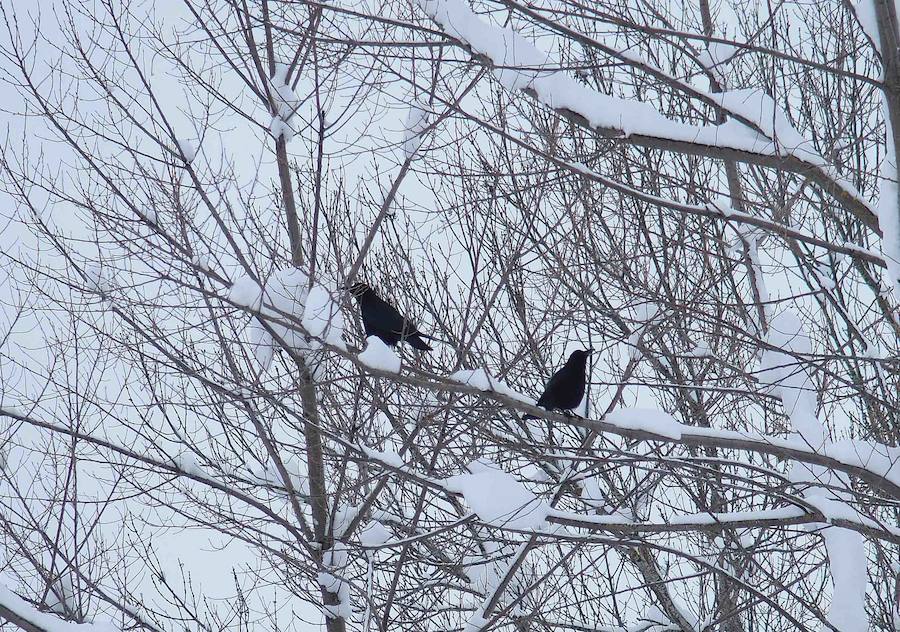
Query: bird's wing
[(552, 385), (387, 317)]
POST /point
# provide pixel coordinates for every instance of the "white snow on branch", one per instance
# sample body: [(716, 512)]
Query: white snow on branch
[(286, 103), (645, 315), (61, 597), (516, 60), (98, 278), (379, 356), (299, 316), (246, 292), (261, 344), (322, 317), (388, 457), (268, 474), (888, 210), (847, 562), (476, 622), (519, 65), (758, 107), (417, 121), (188, 149), (48, 622), (373, 535), (781, 368), (683, 520), (187, 463), (877, 459), (344, 515), (655, 620), (655, 421), (484, 381), (202, 261), (716, 58), (752, 242), (722, 203), (335, 562), (784, 371), (864, 10), (499, 499)]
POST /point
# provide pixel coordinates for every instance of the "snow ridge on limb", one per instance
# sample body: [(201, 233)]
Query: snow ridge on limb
[(285, 102), (484, 381), (520, 66), (417, 121), (888, 210), (497, 497), (379, 356), (790, 382), (288, 297), (27, 617), (864, 12), (712, 209), (876, 463)]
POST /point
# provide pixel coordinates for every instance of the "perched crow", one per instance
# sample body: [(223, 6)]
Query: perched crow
[(381, 319), (565, 388)]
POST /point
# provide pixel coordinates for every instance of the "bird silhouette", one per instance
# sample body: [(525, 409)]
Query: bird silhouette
[(382, 319), (565, 388)]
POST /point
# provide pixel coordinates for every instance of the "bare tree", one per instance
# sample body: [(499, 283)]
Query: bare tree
[(196, 434)]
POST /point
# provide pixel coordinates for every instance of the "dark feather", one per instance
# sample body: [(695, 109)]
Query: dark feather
[(565, 388), (382, 319)]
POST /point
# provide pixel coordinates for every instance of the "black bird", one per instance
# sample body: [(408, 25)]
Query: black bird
[(382, 319), (565, 388)]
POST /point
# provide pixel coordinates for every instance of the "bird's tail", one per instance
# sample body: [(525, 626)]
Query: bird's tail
[(433, 338), (529, 417), (417, 343)]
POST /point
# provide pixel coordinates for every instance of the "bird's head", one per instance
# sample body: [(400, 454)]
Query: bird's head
[(581, 355), (359, 289)]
